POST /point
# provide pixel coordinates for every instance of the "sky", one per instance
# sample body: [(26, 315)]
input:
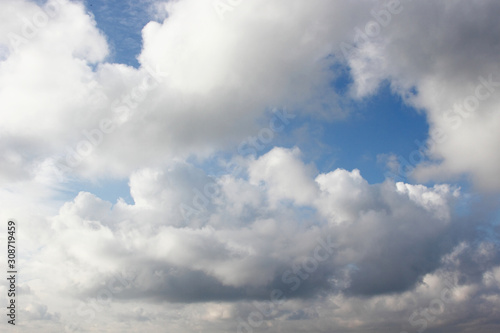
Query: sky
[(251, 166)]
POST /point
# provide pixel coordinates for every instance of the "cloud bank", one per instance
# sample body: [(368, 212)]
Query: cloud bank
[(270, 243)]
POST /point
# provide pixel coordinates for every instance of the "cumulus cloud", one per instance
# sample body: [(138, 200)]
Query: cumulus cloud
[(446, 64), (278, 245), (198, 89), (195, 91), (382, 241)]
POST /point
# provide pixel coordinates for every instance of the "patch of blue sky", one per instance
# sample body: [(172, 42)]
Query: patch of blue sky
[(40, 2), (490, 232), (108, 189), (122, 22), (377, 125), (380, 124)]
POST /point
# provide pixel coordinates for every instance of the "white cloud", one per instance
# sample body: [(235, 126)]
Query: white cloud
[(189, 239), (450, 59), (210, 88), (223, 77), (276, 168), (388, 242)]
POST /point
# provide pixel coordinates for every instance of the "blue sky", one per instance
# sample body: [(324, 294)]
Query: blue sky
[(157, 102), (122, 22)]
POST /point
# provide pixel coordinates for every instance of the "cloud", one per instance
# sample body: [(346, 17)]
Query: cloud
[(385, 241), (444, 63), (211, 251), (347, 237), (195, 92), (201, 90)]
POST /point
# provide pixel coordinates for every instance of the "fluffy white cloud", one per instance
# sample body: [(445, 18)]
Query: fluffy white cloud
[(209, 85), (446, 64), (197, 90), (346, 237), (195, 252), (276, 169)]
